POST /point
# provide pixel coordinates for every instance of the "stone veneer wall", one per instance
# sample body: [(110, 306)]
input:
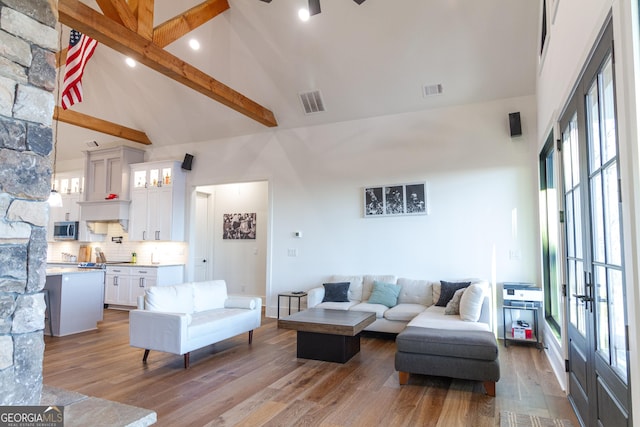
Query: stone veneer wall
[(28, 38)]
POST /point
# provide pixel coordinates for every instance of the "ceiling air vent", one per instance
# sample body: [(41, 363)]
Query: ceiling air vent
[(312, 102), (431, 90)]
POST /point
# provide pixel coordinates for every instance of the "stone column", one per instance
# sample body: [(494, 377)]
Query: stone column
[(28, 40)]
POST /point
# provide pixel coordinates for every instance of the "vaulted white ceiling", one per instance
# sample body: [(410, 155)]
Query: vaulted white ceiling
[(367, 60)]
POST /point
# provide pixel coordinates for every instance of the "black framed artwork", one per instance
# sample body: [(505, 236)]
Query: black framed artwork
[(237, 226), (394, 200)]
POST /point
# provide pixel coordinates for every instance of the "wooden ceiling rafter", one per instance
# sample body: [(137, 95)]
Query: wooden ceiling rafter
[(180, 25), (170, 30), (88, 122), (143, 10), (119, 12), (113, 29), (61, 57)]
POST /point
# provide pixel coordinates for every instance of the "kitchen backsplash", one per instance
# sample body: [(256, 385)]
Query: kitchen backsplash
[(146, 252)]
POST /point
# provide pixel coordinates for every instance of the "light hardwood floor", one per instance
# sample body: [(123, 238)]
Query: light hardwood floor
[(235, 384)]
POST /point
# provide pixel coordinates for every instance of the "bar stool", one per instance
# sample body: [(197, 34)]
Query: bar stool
[(47, 311)]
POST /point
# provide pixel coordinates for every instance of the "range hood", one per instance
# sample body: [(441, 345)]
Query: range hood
[(116, 210)]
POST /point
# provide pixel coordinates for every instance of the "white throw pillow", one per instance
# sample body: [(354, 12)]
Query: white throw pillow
[(240, 302), (172, 299), (209, 295), (471, 302)]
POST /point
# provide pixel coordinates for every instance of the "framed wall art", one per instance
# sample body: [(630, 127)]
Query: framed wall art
[(238, 226), (393, 200)]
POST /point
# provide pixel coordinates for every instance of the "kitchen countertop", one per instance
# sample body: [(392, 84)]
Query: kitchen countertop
[(117, 264), (55, 271)]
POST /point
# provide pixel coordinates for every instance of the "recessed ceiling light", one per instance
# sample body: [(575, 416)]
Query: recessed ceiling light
[(194, 44), (303, 14), (130, 62)]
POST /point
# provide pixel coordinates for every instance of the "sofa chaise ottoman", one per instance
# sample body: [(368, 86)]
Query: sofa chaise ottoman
[(469, 355)]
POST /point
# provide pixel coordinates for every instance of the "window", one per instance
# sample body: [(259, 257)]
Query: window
[(543, 29), (549, 226)]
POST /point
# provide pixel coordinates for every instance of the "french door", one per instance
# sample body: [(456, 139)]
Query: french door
[(597, 346)]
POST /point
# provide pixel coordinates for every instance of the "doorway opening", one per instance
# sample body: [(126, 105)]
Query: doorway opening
[(229, 237)]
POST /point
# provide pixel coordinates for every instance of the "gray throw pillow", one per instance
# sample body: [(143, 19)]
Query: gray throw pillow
[(336, 292), (447, 289)]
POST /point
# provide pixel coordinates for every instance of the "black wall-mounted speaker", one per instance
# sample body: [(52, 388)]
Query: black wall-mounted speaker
[(314, 7), (515, 127), (186, 163)]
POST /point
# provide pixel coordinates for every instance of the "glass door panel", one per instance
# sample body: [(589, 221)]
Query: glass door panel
[(140, 179), (612, 215), (618, 341), (602, 306), (573, 219), (605, 222)]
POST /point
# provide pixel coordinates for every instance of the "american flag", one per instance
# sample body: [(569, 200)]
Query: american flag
[(81, 48)]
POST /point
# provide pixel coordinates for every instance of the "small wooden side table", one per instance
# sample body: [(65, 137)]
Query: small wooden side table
[(290, 295)]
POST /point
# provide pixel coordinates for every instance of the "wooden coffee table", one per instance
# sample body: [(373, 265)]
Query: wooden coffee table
[(329, 335)]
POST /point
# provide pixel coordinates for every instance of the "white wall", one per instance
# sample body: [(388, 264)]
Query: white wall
[(477, 177)]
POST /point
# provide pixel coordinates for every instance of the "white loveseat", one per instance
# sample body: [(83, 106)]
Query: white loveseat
[(415, 304), (181, 318)]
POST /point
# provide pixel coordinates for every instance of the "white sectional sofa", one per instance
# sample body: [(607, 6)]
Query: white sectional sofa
[(181, 318), (455, 340), (416, 303)]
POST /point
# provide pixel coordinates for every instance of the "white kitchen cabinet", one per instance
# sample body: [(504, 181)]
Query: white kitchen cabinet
[(70, 186), (157, 201), (107, 172), (117, 287), (142, 279), (123, 284)]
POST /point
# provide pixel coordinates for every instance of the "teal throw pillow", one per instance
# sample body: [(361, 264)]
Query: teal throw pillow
[(385, 294)]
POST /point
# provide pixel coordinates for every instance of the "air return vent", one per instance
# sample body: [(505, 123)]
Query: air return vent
[(312, 102), (431, 90)]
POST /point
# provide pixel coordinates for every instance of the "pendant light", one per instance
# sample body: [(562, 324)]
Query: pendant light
[(55, 199)]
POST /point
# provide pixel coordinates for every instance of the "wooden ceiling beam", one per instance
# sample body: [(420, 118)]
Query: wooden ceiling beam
[(88, 21), (61, 57), (118, 11), (88, 122), (133, 5), (145, 9), (178, 26)]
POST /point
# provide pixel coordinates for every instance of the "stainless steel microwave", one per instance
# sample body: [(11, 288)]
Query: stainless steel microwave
[(65, 230)]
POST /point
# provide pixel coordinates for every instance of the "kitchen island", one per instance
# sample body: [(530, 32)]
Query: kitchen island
[(76, 298)]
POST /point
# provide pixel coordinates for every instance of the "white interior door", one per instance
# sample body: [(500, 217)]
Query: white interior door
[(202, 246)]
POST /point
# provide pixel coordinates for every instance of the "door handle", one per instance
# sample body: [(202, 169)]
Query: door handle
[(583, 298)]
